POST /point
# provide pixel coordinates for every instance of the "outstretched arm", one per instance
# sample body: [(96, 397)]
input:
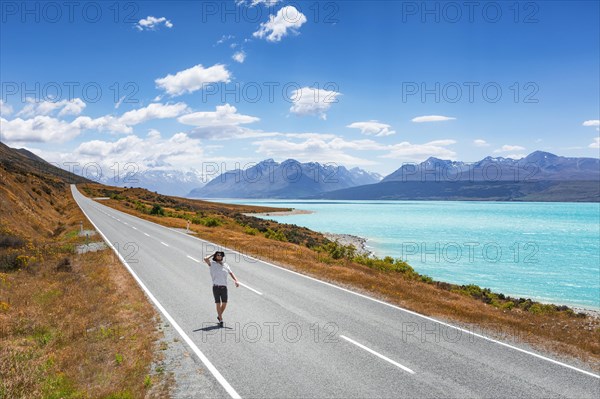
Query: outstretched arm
[(237, 283), (207, 259)]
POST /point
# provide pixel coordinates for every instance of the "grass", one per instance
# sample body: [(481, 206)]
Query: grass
[(547, 327), (72, 325)]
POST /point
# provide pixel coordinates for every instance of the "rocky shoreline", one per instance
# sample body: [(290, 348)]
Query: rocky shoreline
[(348, 239), (281, 213)]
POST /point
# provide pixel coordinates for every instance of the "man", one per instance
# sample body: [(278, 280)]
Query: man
[(219, 271)]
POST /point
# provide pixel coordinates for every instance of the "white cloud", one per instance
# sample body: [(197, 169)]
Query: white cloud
[(309, 101), (152, 23), (287, 19), (104, 123), (595, 143), (224, 115), (5, 109), (40, 129), (507, 148), (407, 151), (515, 156), (432, 118), (65, 107), (252, 3), (239, 56), (224, 38), (44, 128), (179, 151), (193, 79), (480, 143), (373, 127), (593, 122), (153, 111)]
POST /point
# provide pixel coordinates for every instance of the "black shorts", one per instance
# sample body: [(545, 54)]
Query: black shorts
[(220, 293)]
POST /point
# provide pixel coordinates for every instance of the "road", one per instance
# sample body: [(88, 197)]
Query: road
[(287, 335)]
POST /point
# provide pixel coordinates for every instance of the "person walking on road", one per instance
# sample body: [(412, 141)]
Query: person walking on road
[(219, 271)]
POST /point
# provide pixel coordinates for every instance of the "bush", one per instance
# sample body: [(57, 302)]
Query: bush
[(8, 262), (139, 206), (275, 235), (64, 265), (157, 210), (251, 231), (211, 222), (10, 241), (339, 251)]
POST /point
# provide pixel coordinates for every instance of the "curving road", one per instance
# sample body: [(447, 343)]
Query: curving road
[(293, 336)]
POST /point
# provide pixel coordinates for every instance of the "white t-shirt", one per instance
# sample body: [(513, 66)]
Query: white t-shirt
[(219, 272)]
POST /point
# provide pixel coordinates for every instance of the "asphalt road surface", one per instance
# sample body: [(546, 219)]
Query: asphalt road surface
[(291, 336)]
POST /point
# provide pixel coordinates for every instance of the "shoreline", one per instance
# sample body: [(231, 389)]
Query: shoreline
[(360, 243), (281, 213)]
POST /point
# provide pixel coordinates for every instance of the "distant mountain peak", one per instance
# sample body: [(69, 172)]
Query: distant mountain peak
[(541, 155)]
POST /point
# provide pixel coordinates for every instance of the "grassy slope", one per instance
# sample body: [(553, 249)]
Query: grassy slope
[(72, 325), (555, 329)]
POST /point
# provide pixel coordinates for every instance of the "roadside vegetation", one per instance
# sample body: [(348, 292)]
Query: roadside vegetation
[(71, 325), (559, 329)]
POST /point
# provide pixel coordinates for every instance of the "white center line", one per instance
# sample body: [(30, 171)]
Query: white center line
[(250, 288), (387, 359), (135, 228), (147, 235), (165, 244), (194, 259)]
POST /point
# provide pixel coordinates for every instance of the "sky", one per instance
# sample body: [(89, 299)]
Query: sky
[(375, 84)]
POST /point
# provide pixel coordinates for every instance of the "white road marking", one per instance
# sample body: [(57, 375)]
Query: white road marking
[(164, 243), (133, 227), (147, 235), (250, 288), (379, 355), (194, 259), (171, 320)]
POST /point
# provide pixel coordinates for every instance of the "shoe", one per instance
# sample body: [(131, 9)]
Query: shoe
[(221, 323)]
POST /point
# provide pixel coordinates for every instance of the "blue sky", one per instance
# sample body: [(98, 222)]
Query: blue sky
[(371, 84)]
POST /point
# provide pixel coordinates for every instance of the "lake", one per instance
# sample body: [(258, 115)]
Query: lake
[(548, 252)]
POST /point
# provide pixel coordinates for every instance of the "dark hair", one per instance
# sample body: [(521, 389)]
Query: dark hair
[(218, 253)]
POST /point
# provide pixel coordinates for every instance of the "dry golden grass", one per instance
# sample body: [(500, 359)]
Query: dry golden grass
[(82, 330), (563, 333)]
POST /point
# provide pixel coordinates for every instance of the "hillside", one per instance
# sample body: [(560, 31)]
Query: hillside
[(59, 308)]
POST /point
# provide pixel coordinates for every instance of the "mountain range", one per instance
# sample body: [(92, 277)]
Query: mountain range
[(541, 176), (288, 179)]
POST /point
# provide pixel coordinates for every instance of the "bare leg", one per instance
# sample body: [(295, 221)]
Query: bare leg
[(219, 311), (223, 306)]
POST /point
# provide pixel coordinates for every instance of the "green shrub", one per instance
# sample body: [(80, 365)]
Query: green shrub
[(275, 235), (251, 231), (211, 222), (157, 210)]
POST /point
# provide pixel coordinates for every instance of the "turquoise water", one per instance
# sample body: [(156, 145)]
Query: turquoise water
[(548, 252)]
